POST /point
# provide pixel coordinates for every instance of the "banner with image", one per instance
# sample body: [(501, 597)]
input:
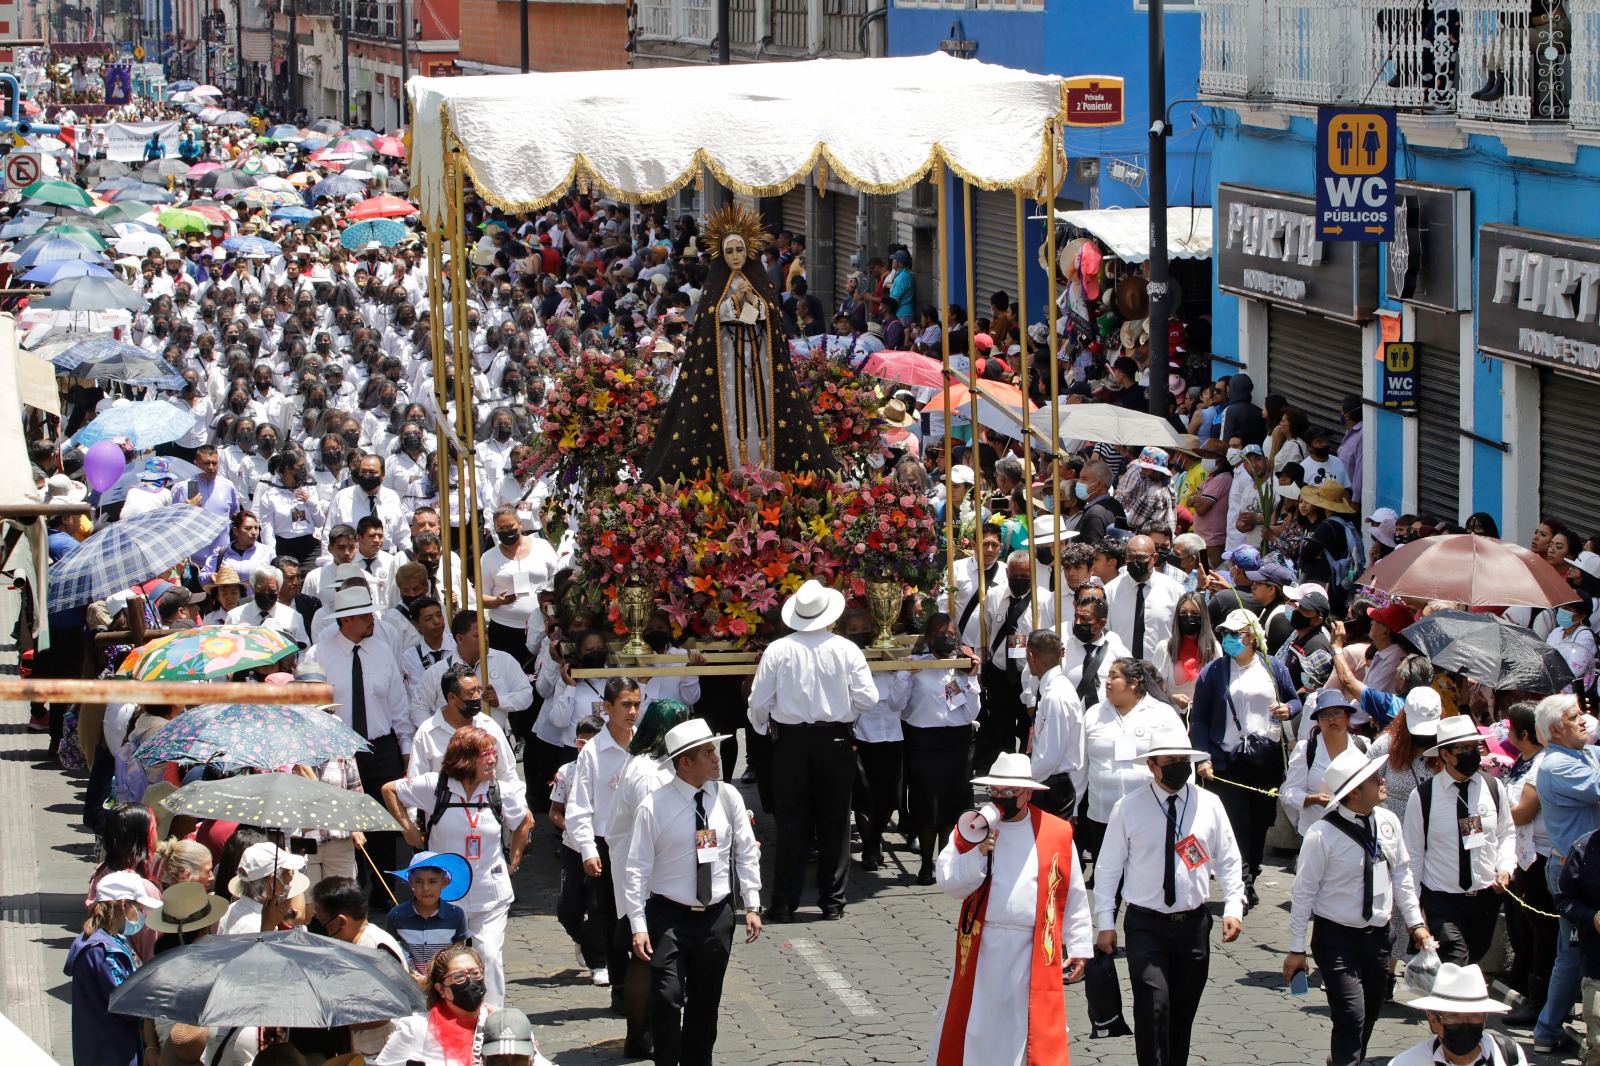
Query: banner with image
[(125, 141)]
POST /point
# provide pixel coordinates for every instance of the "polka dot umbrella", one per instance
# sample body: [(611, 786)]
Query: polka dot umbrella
[(282, 801), (261, 736)]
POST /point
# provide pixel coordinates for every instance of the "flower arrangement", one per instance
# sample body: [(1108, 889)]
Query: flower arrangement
[(845, 405), (600, 414), (889, 534)]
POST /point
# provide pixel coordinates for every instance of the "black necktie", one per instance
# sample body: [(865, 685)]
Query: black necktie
[(702, 870), (372, 506), (358, 693), (1088, 683), (1463, 858), (368, 564), (1169, 873), (1138, 621), (1366, 865)]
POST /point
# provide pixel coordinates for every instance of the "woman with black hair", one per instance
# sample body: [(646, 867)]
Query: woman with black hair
[(1483, 524), (291, 514), (128, 843), (1116, 732)]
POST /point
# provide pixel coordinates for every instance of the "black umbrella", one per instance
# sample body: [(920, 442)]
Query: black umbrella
[(1490, 650), (295, 979), (226, 178), (101, 169)]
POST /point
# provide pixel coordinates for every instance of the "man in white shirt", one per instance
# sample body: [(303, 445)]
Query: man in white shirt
[(1142, 602), (508, 690), (380, 565), (369, 496), (461, 706), (1008, 613), (265, 611), (808, 690), (1093, 643), (1056, 756), (688, 838)]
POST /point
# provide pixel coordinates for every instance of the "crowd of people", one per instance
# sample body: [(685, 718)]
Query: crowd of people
[(1139, 688)]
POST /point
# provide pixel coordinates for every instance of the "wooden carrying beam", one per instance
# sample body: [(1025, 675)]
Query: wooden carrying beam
[(724, 669), (151, 693)]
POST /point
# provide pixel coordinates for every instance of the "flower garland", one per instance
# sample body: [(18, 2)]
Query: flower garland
[(599, 416)]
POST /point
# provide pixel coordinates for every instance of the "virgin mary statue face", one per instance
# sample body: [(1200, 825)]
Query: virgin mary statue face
[(733, 251)]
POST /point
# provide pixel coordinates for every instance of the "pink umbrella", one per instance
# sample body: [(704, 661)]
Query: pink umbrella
[(907, 368), (1476, 571), (203, 168), (392, 146)]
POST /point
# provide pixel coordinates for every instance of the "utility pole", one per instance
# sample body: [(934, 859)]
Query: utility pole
[(522, 23), (238, 51), (1158, 392), (405, 64), (292, 59), (724, 33)]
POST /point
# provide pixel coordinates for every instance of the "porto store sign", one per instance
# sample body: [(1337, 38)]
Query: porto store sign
[(1539, 298), (1267, 248)]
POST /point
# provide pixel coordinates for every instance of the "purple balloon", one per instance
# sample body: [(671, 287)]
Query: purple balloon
[(103, 464)]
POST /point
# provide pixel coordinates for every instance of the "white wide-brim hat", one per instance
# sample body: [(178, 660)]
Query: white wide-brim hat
[(813, 606), (686, 736), (1459, 990), (1168, 740), (1347, 771), (1011, 770), (1457, 729), (353, 601)]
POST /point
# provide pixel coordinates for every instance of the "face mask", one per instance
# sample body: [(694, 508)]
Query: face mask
[(1235, 456), (1563, 617), (860, 640), (944, 646), (1044, 556), (266, 447), (1188, 624), (1084, 632), (370, 482), (593, 660), (1019, 585), (1208, 465), (1462, 1037), (1232, 645), (431, 565), (502, 433), (658, 640), (1081, 491), (1138, 569), (468, 995), (411, 442), (1176, 775), (1467, 762), (248, 447), (237, 407), (508, 537), (134, 926), (351, 437), (266, 600), (472, 708), (1008, 806)]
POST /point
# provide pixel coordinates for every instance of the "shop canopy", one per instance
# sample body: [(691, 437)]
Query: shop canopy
[(1126, 231), (641, 135)]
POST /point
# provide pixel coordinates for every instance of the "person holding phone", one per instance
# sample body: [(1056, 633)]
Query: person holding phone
[(515, 571)]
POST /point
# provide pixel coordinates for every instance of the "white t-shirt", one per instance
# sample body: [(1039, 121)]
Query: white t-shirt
[(491, 876)]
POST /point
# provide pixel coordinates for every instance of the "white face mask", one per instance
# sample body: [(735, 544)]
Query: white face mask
[(1208, 465), (1235, 456)]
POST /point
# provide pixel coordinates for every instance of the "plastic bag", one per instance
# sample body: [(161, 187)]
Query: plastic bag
[(1421, 970)]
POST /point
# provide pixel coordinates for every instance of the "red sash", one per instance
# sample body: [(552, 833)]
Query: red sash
[(1047, 1007)]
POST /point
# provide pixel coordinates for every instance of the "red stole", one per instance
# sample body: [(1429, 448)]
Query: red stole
[(1047, 1007)]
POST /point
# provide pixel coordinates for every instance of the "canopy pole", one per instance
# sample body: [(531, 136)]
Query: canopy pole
[(972, 376), (156, 693), (942, 189), (1027, 428), (436, 337), (1054, 133)]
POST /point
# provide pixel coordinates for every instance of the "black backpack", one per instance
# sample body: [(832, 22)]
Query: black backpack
[(442, 802)]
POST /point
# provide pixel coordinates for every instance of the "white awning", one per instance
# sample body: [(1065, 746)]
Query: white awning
[(1126, 231), (641, 135)]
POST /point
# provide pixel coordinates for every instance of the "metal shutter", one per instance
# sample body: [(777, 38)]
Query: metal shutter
[(846, 208), (794, 210), (1568, 484), (1439, 416), (994, 249), (1313, 362)]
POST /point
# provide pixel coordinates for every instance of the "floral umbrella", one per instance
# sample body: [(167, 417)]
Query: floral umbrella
[(262, 736), (206, 653)]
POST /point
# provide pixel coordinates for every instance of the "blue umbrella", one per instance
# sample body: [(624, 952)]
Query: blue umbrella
[(264, 736), (55, 250), (131, 551), (145, 424), (251, 246), (49, 273), (365, 135), (113, 184), (182, 86), (338, 185), (284, 132), (386, 231), (180, 471), (106, 359), (312, 144), (24, 225), (297, 215)]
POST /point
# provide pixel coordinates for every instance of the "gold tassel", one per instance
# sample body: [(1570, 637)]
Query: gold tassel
[(822, 176), (583, 184), (700, 180)]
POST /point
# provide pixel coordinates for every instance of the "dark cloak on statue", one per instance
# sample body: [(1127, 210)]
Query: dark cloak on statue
[(723, 361)]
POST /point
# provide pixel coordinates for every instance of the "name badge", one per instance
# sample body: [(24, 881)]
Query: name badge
[(1016, 647), (705, 845), (952, 692), (1192, 852), (1471, 830), (1380, 873), (598, 707), (1124, 749), (474, 847)]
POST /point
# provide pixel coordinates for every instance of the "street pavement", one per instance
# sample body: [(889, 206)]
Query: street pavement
[(857, 991)]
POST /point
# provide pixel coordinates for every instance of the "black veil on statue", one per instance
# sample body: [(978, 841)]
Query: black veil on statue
[(690, 439)]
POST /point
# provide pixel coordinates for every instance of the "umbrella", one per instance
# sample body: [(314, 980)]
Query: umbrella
[(182, 86), (386, 231), (147, 194), (276, 184), (270, 198), (24, 225), (224, 179), (183, 220), (202, 169), (129, 551), (207, 653), (282, 801), (298, 215), (145, 424), (361, 134), (390, 146), (108, 359), (379, 207), (295, 978), (252, 247), (230, 118), (907, 368), (216, 214), (140, 244), (50, 273), (327, 126), (256, 735), (158, 170), (179, 469), (1005, 417), (206, 90), (51, 250), (62, 193), (126, 211), (337, 186), (284, 132), (1491, 650), (1105, 423), (117, 181), (95, 294), (1476, 571), (82, 234)]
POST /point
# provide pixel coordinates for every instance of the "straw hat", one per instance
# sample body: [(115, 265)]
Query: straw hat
[(226, 575), (1330, 496), (894, 413), (186, 907)]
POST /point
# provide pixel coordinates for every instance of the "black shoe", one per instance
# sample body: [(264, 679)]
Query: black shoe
[(1388, 993), (872, 860), (832, 914), (748, 778), (1526, 1013), (617, 1006), (925, 876), (779, 915), (1563, 1044), (1493, 89), (1250, 897), (641, 1049)]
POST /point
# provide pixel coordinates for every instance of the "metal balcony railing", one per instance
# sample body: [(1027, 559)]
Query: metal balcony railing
[(1409, 55), (1515, 60), (1585, 110), (1233, 47), (1314, 58)]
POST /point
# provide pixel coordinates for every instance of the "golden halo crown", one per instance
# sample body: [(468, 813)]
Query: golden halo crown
[(730, 220)]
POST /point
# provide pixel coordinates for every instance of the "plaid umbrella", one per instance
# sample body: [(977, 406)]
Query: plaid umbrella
[(130, 551), (207, 653), (282, 801), (262, 736)]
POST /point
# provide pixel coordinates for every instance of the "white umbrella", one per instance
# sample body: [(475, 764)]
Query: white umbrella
[(1104, 423), (1005, 419), (140, 244), (206, 90), (185, 97)]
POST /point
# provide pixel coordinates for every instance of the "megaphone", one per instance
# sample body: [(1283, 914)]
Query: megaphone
[(974, 825)]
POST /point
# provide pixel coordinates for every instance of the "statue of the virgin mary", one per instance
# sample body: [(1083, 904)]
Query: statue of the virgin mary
[(737, 402)]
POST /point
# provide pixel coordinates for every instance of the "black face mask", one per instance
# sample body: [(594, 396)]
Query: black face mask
[(1176, 775), (1084, 631), (1139, 569), (593, 660), (1467, 762), (410, 604), (1302, 621), (266, 600), (352, 438), (411, 442), (1008, 805), (472, 708), (508, 537), (1462, 1037), (1044, 556), (1189, 624), (860, 640), (430, 565), (370, 482), (468, 995), (502, 433), (944, 646), (1019, 585), (659, 640)]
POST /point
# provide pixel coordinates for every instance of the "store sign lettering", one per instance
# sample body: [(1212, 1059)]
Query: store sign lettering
[(1547, 285), (1267, 250), (1272, 233), (1539, 298)]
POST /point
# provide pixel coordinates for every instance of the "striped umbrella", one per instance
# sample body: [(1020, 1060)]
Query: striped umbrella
[(130, 551)]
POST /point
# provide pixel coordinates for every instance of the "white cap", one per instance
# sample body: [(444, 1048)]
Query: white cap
[(124, 885), (1381, 522), (961, 474)]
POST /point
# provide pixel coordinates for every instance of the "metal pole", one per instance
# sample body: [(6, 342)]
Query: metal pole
[(972, 376), (522, 25), (1053, 136), (938, 175), (1157, 392), (1027, 428), (724, 36), (238, 49), (345, 14), (405, 64), (292, 59)]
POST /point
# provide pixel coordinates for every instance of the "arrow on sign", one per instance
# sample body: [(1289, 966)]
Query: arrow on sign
[(1332, 229), (1374, 229)]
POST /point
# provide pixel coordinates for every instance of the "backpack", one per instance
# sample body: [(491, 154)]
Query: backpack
[(1311, 747), (1425, 790), (442, 802), (1355, 556)]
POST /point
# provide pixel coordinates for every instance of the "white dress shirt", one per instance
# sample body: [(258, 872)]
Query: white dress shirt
[(511, 687), (1135, 848), (641, 775), (1328, 881), (940, 699), (1113, 745), (1057, 729), (881, 725), (1076, 651), (662, 860), (1160, 608), (388, 710), (592, 790), (1301, 780), (281, 619), (284, 515), (565, 705), (1433, 862), (811, 677), (351, 504), (416, 659), (994, 608)]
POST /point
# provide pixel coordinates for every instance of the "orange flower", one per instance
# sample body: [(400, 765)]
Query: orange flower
[(704, 583), (775, 571), (898, 517), (770, 515)]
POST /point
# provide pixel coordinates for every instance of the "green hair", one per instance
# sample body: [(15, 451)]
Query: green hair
[(650, 734)]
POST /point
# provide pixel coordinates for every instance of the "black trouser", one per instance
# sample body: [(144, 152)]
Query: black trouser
[(1533, 936), (578, 911), (1168, 961), (618, 939), (1060, 799), (378, 767), (308, 549), (509, 639), (540, 761), (813, 771), (877, 791), (689, 956), (724, 705), (758, 753), (1251, 814), (1002, 724), (1462, 924), (1355, 966)]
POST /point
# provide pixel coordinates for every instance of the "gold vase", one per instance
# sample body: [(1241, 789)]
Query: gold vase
[(883, 600), (635, 601)]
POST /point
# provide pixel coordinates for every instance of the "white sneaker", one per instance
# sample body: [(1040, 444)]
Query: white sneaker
[(602, 977)]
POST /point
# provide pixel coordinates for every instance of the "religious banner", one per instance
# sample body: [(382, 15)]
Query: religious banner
[(119, 84)]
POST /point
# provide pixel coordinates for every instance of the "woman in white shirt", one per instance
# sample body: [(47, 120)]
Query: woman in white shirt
[(1116, 732), (468, 825), (291, 515), (1303, 797), (1573, 638), (451, 1031), (515, 570), (939, 714), (880, 747)]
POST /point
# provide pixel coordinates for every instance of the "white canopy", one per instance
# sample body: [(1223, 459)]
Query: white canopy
[(641, 135), (1126, 231)]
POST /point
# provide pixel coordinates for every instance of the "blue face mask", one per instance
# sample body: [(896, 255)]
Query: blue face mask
[(1083, 492), (134, 926), (1232, 645), (1563, 617)]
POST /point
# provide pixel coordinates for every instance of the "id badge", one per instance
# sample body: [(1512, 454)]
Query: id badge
[(1380, 872), (1192, 852), (952, 693), (1016, 647), (1124, 749), (1471, 830), (598, 708), (705, 845), (474, 846)]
